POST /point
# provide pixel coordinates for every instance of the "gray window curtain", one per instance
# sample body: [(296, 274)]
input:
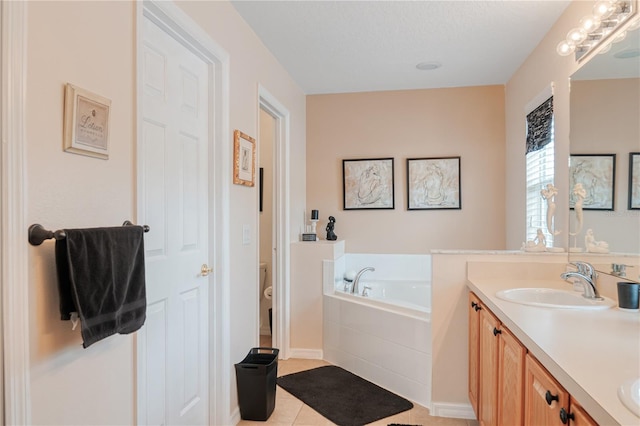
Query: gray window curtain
[(540, 126)]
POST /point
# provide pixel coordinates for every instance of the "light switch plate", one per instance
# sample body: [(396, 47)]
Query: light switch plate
[(246, 235)]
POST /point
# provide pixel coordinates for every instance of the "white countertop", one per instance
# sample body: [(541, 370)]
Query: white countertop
[(590, 353)]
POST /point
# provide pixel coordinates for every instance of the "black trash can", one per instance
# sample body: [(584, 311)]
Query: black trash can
[(256, 378)]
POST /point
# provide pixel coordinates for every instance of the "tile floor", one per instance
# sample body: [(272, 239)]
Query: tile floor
[(291, 411)]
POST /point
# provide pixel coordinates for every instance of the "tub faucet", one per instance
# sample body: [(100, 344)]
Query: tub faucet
[(354, 288), (587, 276)]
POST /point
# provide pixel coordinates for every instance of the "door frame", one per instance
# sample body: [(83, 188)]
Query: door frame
[(183, 28), (14, 288), (281, 229)]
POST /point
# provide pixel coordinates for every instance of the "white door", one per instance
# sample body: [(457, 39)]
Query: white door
[(173, 199)]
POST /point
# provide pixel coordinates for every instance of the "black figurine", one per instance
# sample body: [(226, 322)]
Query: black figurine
[(331, 236)]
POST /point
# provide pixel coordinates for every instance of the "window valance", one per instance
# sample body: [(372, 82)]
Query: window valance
[(540, 126)]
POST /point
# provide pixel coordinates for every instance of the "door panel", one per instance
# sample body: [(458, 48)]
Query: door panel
[(488, 386), (544, 397), (510, 379), (174, 203)]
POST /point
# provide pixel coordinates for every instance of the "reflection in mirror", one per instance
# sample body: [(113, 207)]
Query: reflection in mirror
[(605, 131)]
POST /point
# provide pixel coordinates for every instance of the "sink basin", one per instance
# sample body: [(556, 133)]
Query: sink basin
[(629, 394), (552, 298)]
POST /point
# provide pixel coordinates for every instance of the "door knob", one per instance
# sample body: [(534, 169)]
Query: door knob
[(205, 270)]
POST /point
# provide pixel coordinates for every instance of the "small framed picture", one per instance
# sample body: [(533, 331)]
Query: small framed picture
[(433, 183), (634, 181), (86, 123), (368, 184), (244, 159), (592, 181)]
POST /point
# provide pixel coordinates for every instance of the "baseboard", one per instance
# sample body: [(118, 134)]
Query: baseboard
[(306, 353), (456, 411), (235, 416)]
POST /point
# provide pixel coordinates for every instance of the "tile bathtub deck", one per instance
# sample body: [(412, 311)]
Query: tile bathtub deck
[(291, 411)]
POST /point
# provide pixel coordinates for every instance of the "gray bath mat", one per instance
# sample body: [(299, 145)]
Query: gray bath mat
[(343, 397)]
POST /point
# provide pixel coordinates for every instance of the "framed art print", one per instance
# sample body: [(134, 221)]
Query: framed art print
[(244, 159), (86, 123), (368, 184), (433, 183)]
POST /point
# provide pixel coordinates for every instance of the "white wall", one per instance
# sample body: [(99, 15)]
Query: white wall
[(541, 69), (464, 121), (92, 45), (71, 385)]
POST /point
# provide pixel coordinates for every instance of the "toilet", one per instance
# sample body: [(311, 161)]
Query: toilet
[(263, 276), (265, 296)]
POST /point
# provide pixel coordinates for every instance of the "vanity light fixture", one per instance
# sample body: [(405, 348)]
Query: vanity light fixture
[(607, 16)]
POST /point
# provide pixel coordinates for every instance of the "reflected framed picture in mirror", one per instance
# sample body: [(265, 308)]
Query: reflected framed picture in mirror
[(634, 181), (592, 181)]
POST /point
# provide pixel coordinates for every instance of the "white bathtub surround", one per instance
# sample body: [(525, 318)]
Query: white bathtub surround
[(387, 342)]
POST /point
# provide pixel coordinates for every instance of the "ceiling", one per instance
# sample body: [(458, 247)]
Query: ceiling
[(356, 46)]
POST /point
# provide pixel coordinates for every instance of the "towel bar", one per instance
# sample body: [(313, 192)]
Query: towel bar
[(37, 234)]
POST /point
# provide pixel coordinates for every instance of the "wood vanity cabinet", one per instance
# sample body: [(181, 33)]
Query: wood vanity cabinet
[(508, 386), (543, 396), (496, 368)]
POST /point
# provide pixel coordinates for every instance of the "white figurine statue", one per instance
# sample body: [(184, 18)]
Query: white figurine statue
[(579, 193), (538, 244), (548, 194), (594, 246)]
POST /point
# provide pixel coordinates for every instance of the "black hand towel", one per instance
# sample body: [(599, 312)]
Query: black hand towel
[(101, 276)]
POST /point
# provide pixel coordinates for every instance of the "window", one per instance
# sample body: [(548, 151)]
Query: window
[(540, 168), (540, 172)]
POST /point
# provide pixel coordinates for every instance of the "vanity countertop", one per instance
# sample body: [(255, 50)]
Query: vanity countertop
[(590, 353)]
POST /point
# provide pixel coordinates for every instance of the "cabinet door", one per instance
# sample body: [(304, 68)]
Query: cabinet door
[(577, 416), (474, 342), (511, 356), (488, 389), (543, 396)]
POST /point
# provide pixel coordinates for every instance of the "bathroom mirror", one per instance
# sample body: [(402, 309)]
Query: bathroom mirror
[(604, 134)]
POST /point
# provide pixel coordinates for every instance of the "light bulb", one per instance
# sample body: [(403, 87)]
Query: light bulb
[(590, 23), (565, 48), (603, 9), (577, 35)]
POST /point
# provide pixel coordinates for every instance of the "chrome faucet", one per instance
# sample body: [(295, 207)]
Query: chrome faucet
[(354, 288), (587, 275)]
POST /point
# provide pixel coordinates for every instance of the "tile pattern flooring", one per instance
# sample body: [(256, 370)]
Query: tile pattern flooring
[(291, 411)]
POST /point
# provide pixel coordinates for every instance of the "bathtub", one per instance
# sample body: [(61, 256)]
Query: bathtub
[(384, 337)]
